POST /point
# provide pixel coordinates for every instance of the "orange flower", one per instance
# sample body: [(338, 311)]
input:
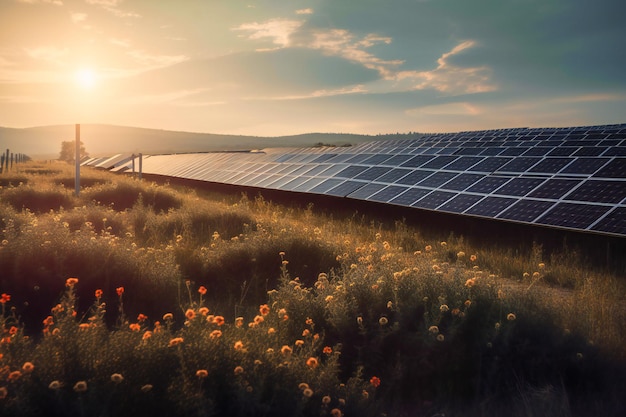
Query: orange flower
[(238, 370), (5, 298), (215, 334), (28, 367), (14, 376), (219, 320), (147, 335), (13, 330), (238, 345), (239, 321), (202, 290), (327, 350), (203, 310), (286, 350), (119, 291), (312, 362), (202, 373), (259, 319), (135, 327), (70, 282), (98, 293), (176, 341), (141, 318), (375, 381), (190, 314), (264, 309)]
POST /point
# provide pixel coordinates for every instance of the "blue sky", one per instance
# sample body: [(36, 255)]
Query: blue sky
[(278, 67)]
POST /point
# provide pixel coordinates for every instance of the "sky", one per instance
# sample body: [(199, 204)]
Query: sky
[(283, 67)]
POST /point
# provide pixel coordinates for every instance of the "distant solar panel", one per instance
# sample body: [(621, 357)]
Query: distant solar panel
[(572, 178)]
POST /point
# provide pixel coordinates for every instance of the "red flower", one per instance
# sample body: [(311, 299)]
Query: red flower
[(5, 298), (120, 291), (98, 293), (202, 290), (375, 381)]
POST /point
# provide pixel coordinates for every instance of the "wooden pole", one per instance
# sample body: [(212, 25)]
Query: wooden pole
[(77, 157)]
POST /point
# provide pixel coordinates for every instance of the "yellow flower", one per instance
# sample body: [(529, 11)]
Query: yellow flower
[(460, 255), (383, 321), (303, 386), (510, 317), (443, 308), (271, 330), (335, 412)]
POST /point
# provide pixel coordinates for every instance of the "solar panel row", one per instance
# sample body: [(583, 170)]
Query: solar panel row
[(571, 178)]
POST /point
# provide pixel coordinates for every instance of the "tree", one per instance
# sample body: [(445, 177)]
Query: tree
[(68, 151)]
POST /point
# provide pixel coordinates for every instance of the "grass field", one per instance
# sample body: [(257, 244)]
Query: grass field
[(143, 299)]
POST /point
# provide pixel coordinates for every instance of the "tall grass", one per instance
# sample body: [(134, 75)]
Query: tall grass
[(179, 304)]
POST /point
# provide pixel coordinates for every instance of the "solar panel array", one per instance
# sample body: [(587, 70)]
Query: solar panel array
[(572, 178)]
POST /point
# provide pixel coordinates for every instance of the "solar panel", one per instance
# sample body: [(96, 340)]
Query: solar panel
[(571, 178)]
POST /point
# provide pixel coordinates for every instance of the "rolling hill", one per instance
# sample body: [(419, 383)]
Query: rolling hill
[(45, 142)]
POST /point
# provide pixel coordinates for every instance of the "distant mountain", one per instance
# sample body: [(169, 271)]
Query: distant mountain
[(101, 140)]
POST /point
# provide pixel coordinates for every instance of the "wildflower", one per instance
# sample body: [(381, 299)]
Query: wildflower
[(13, 330), (579, 356), (117, 378), (219, 320), (440, 337), (238, 345), (269, 351), (383, 321), (134, 327), (329, 298), (239, 321), (168, 317), (238, 370), (386, 245), (359, 321), (147, 335), (309, 321), (473, 258), (299, 342), (541, 265), (460, 255), (303, 386), (389, 305), (14, 376), (202, 290), (501, 295), (5, 298), (281, 254), (497, 326), (258, 319), (54, 385), (215, 334), (98, 293), (375, 381), (312, 362), (203, 311), (308, 392), (202, 373), (286, 350), (327, 350), (326, 399), (3, 393), (353, 266), (146, 388), (306, 333), (141, 318), (525, 275), (119, 291), (511, 317), (433, 329), (264, 309), (28, 367), (444, 244), (536, 275), (190, 314), (176, 341), (70, 282), (428, 248), (470, 282), (80, 386), (444, 308), (335, 412)]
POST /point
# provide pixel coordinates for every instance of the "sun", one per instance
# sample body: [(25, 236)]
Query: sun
[(85, 78)]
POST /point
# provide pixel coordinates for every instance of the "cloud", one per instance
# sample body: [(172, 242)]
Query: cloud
[(320, 93), (155, 61), (112, 6), (305, 11), (277, 30), (47, 53), (53, 2), (450, 109), (78, 17), (452, 79)]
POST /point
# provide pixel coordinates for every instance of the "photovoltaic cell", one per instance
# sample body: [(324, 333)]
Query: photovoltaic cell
[(513, 151), (577, 216), (488, 184), (350, 171), (526, 210), (554, 188), (463, 163), (491, 206), (417, 161), (439, 162), (414, 177), (388, 193), (520, 164), (584, 166), (437, 179), (614, 222), (394, 174), (410, 196), (462, 181), (490, 164), (397, 160), (366, 191), (551, 165), (519, 186), (325, 186), (372, 173), (345, 188), (461, 202), (589, 151), (614, 169), (599, 191), (434, 199)]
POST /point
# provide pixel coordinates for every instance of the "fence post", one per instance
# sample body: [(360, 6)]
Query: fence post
[(77, 157), (140, 164)]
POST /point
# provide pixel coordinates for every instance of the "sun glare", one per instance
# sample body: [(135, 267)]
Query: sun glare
[(85, 78)]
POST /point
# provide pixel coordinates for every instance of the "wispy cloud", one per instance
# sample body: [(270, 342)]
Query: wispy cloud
[(305, 11), (450, 78), (113, 6), (47, 53), (319, 93), (151, 61), (53, 2), (449, 109), (78, 17), (278, 31)]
